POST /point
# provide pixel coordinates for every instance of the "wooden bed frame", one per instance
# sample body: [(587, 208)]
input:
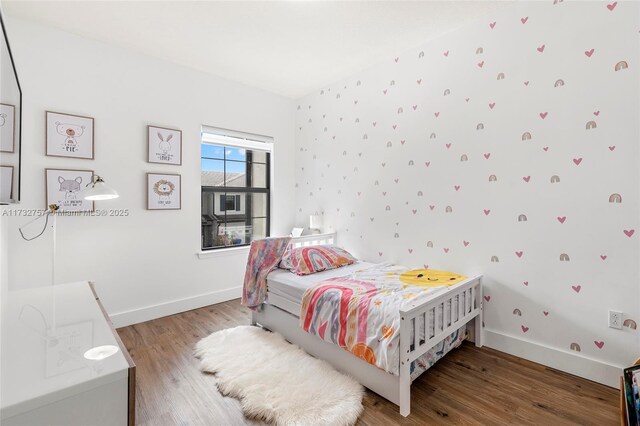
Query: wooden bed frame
[(466, 296)]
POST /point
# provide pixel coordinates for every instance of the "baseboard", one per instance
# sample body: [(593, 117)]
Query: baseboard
[(147, 313), (573, 363)]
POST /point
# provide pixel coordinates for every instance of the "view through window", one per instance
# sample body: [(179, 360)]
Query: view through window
[(235, 191)]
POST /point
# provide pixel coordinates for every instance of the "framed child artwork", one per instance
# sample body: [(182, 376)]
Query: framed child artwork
[(164, 191), (69, 135), (7, 127), (164, 145), (64, 188)]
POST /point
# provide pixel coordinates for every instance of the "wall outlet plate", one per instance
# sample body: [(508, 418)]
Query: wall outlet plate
[(615, 319)]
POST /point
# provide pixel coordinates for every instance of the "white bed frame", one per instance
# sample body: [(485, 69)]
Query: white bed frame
[(465, 296)]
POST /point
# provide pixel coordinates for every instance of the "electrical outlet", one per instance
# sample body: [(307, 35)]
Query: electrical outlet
[(615, 319)]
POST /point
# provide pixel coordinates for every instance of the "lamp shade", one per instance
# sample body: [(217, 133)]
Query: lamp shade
[(99, 191)]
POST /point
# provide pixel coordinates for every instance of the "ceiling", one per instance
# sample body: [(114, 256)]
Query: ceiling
[(287, 47)]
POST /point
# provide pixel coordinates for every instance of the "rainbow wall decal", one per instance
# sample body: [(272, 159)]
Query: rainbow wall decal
[(622, 65), (564, 257), (615, 198), (629, 323)]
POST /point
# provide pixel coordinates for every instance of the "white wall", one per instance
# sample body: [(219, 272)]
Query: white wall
[(536, 306), (148, 258)]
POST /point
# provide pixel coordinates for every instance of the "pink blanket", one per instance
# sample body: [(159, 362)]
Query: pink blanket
[(264, 256)]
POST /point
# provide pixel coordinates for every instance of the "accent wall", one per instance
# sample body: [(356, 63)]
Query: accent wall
[(507, 148)]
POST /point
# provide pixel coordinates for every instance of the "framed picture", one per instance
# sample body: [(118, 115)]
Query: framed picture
[(164, 191), (6, 183), (632, 394), (69, 135), (64, 186), (164, 145), (7, 128)]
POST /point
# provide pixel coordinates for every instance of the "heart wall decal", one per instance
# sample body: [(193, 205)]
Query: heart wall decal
[(501, 166)]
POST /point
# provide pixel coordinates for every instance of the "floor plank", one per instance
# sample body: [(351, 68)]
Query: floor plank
[(470, 386)]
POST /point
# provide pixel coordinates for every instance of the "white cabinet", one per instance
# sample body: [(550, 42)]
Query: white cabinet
[(47, 376)]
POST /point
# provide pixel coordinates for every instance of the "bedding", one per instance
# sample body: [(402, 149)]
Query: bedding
[(285, 291), (311, 259), (361, 312), (264, 256), (289, 286)]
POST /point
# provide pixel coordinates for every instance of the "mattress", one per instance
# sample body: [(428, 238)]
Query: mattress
[(285, 289)]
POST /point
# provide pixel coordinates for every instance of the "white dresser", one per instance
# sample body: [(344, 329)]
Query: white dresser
[(47, 377)]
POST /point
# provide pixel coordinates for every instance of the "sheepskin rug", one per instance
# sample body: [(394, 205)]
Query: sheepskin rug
[(276, 381)]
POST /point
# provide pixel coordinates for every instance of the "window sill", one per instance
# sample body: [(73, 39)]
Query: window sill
[(222, 252)]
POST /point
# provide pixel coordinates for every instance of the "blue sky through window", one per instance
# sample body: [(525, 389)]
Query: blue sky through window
[(219, 152)]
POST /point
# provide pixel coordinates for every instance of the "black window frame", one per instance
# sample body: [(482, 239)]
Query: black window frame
[(242, 190)]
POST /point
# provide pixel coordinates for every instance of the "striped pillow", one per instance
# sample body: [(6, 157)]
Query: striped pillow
[(312, 259)]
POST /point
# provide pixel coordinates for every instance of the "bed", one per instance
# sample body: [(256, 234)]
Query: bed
[(427, 327)]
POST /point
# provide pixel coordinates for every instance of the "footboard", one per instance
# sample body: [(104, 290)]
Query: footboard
[(441, 316)]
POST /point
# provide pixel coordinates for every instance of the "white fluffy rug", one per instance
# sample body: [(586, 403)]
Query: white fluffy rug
[(277, 381)]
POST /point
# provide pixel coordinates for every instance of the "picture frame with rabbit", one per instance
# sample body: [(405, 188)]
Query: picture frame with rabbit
[(164, 145)]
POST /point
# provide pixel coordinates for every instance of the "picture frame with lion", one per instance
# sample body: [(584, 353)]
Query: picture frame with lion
[(164, 191), (164, 145)]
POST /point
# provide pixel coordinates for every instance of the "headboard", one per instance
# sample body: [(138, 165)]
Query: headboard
[(313, 240)]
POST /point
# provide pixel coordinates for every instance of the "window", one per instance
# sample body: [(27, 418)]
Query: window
[(236, 194)]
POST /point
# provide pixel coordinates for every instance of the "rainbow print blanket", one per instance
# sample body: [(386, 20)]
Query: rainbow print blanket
[(361, 312)]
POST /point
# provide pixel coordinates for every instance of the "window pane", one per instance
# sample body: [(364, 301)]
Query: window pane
[(259, 228), (237, 154), (259, 156), (212, 172), (258, 205), (236, 174), (212, 151), (258, 175), (231, 217)]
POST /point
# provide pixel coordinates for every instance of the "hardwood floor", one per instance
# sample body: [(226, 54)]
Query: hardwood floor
[(468, 386)]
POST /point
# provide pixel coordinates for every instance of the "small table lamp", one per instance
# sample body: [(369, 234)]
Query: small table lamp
[(315, 223)]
